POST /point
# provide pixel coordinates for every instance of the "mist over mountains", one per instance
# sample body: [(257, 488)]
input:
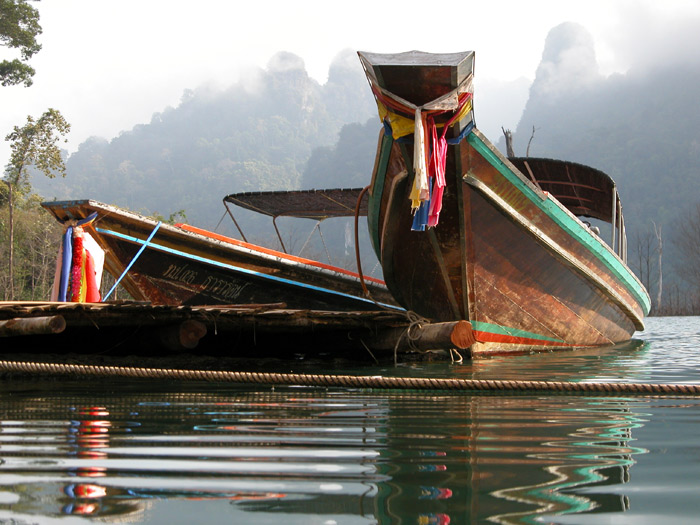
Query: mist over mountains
[(642, 128), (256, 135), (280, 129)]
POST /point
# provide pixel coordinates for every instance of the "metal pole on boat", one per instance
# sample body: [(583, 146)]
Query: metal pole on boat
[(317, 225), (614, 216), (620, 225), (279, 236), (234, 221), (131, 263), (624, 238)]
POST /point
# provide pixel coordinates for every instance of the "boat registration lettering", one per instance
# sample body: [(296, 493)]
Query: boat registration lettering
[(213, 286), (223, 288), (180, 273)]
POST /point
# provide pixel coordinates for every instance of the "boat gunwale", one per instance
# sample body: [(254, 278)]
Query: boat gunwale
[(557, 250), (237, 246), (238, 269), (599, 248)]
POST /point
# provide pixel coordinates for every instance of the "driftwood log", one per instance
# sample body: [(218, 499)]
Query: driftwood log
[(182, 336)]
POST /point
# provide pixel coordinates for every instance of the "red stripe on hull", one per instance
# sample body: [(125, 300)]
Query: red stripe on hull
[(488, 337), (275, 253)]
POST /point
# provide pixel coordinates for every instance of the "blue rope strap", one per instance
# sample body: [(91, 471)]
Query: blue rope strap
[(131, 263)]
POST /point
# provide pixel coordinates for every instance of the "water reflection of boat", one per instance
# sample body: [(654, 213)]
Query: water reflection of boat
[(579, 457), (311, 454), (185, 265), (498, 242)]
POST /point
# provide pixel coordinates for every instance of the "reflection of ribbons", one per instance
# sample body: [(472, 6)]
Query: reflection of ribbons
[(131, 263)]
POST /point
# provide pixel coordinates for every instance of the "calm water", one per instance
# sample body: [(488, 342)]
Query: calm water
[(157, 452)]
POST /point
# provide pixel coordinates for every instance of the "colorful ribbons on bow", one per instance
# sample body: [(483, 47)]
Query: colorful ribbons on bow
[(79, 265), (429, 146)]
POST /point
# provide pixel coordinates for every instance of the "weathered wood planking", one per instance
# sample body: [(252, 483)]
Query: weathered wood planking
[(506, 256), (181, 266)]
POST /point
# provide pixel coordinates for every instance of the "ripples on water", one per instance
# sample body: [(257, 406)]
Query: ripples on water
[(156, 452)]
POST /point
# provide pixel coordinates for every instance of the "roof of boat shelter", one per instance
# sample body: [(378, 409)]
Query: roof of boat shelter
[(308, 204), (585, 191)]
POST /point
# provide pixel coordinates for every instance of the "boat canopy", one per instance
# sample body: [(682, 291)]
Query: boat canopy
[(583, 190), (305, 204)]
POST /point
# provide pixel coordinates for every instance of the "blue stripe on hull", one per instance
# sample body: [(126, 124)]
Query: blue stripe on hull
[(246, 271)]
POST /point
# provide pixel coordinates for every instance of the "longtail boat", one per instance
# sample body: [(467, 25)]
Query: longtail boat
[(464, 233), (184, 265)]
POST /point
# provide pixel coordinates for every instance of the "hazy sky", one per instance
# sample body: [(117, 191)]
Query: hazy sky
[(108, 65)]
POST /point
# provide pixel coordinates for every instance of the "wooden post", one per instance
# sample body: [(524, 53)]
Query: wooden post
[(428, 336), (508, 134), (182, 336), (54, 324)]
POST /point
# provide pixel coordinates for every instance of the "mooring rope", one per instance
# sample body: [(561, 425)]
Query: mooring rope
[(352, 381)]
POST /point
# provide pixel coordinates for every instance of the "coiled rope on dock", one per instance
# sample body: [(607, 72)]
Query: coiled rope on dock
[(354, 381)]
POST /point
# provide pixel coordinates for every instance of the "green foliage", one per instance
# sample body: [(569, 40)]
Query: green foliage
[(36, 241), (178, 216), (35, 144), (19, 27)]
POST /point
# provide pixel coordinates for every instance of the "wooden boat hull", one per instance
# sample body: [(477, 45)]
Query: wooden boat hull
[(506, 276), (506, 256), (182, 265)]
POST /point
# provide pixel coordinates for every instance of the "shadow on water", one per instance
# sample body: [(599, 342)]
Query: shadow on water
[(168, 452)]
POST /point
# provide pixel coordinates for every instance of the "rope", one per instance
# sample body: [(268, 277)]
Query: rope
[(415, 321), (357, 241), (131, 263), (348, 381)]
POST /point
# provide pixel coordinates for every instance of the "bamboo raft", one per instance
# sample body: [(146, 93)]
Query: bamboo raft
[(257, 330)]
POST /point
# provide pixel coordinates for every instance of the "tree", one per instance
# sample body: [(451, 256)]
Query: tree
[(687, 242), (34, 144), (642, 261), (659, 251), (19, 27)]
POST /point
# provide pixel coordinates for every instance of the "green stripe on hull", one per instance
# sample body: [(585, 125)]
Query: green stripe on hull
[(513, 332), (375, 200), (566, 222)]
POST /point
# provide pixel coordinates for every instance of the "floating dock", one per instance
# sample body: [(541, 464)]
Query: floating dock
[(259, 330)]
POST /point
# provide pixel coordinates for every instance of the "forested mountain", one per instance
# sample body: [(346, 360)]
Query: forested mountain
[(348, 163), (642, 128), (256, 135)]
